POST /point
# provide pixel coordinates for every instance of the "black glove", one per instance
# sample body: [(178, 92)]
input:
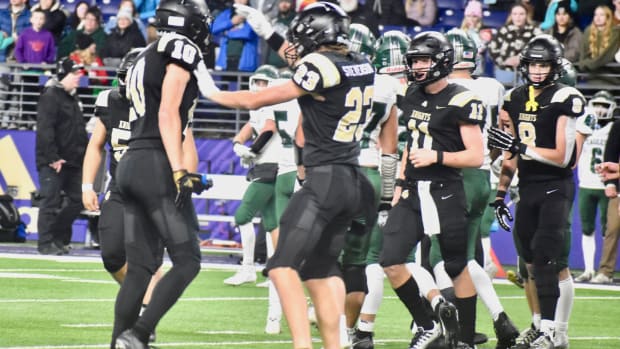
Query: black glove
[(188, 183), (502, 213), (499, 139)]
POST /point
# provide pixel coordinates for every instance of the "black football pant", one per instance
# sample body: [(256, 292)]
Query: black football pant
[(152, 222)]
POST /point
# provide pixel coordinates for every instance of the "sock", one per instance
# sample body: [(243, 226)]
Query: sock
[(486, 250), (409, 294), (561, 327), (366, 326), (546, 327), (588, 245), (442, 278), (344, 333), (269, 245), (423, 278), (129, 299), (536, 320), (448, 294), (374, 280), (435, 301), (274, 310), (248, 238), (467, 319), (565, 301), (485, 289)]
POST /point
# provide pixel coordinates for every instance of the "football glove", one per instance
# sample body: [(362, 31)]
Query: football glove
[(502, 213), (256, 20), (503, 140), (244, 152), (246, 162), (188, 183)]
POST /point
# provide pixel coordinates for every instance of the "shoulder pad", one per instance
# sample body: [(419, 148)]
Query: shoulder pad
[(313, 68), (386, 88), (102, 98), (463, 97), (179, 50), (508, 95), (571, 99)]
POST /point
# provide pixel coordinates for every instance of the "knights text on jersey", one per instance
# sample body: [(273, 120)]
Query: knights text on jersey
[(433, 122), (113, 111), (536, 121), (145, 79), (340, 97)]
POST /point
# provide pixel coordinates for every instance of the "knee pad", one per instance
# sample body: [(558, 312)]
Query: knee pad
[(355, 278), (546, 279), (454, 266), (113, 263), (185, 257)]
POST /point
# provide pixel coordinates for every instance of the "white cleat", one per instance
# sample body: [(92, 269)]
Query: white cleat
[(263, 284), (601, 278), (586, 276), (244, 275), (273, 326), (560, 340)]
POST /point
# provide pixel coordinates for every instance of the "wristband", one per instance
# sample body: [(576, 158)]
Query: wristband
[(399, 182), (275, 41), (440, 157), (87, 187), (501, 194)]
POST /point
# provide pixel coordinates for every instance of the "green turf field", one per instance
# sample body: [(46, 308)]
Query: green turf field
[(68, 303)]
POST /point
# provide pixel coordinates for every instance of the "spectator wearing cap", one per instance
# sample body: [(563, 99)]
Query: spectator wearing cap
[(129, 5), (286, 13), (55, 17), (552, 9), (566, 32), (92, 27), (60, 147), (473, 26), (122, 39)]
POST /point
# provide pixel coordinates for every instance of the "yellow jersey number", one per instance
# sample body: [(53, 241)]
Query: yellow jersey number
[(351, 125)]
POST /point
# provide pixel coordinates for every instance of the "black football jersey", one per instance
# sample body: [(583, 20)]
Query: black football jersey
[(433, 122), (535, 124), (145, 79), (113, 111), (334, 113)]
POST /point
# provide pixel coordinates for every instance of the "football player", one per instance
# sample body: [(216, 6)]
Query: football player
[(388, 61), (262, 156), (591, 189), (334, 88), (537, 135), (153, 175), (445, 135)]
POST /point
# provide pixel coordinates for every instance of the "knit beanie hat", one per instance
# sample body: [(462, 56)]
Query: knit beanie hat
[(474, 9)]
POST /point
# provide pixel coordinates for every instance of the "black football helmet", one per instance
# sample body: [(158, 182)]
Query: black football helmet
[(434, 45), (318, 24), (542, 48), (190, 18), (128, 60)]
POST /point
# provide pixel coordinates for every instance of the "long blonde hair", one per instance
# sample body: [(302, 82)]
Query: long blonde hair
[(595, 49)]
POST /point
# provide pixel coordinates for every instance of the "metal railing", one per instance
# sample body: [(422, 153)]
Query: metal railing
[(21, 85)]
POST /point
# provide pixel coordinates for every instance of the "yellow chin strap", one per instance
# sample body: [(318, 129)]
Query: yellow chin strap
[(531, 104)]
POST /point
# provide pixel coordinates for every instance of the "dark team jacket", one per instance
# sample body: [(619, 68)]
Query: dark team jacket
[(113, 111), (61, 130), (144, 85), (333, 122), (433, 122), (536, 125)]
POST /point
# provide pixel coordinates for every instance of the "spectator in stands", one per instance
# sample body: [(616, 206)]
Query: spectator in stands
[(280, 24), (13, 20), (129, 5), (238, 42), (566, 32), (421, 12), (585, 10), (146, 9), (509, 41), (551, 13), (599, 45), (616, 18), (361, 12), (122, 39), (55, 17), (36, 44), (76, 19), (60, 146), (86, 55), (92, 27), (472, 25)]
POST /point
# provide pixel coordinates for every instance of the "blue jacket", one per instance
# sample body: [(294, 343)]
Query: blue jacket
[(146, 8), (23, 22), (249, 55)]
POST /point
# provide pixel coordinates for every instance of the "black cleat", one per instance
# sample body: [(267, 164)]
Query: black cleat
[(505, 331), (449, 318), (480, 338), (152, 337), (362, 340), (526, 338), (129, 340), (424, 338)]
